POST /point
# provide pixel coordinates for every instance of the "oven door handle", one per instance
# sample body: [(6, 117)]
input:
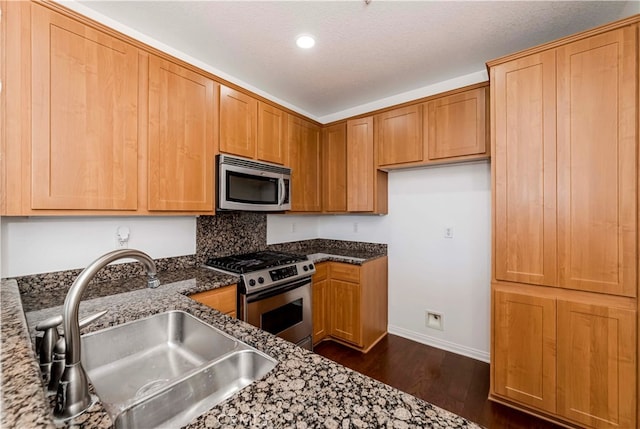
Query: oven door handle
[(278, 290)]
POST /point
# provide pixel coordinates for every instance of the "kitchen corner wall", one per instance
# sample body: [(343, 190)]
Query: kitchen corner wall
[(427, 271)]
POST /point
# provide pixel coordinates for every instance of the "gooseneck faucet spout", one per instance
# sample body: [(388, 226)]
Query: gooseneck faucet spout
[(73, 391)]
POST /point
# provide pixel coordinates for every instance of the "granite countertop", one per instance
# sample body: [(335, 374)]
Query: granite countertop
[(304, 390)]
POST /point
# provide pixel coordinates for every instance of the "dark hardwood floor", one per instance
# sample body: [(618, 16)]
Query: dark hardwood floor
[(453, 382)]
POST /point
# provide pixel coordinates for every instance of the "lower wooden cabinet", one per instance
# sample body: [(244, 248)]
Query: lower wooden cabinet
[(320, 288), (571, 355), (350, 303), (222, 299)]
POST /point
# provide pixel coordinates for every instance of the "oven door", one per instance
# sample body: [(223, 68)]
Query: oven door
[(284, 311)]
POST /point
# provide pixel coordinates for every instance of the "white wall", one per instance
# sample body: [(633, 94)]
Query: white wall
[(427, 271), (285, 228), (39, 245)]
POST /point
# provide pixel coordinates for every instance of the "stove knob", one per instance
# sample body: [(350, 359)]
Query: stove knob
[(252, 282), (304, 267), (311, 266), (260, 280)]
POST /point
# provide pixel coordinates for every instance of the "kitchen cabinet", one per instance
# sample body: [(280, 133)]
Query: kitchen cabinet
[(355, 310), (564, 141), (223, 299), (399, 136), (320, 288), (84, 123), (334, 168), (366, 185), (181, 138), (238, 122), (250, 128), (271, 134), (305, 163), (456, 125)]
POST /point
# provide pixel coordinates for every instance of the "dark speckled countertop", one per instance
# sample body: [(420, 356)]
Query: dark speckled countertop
[(304, 390)]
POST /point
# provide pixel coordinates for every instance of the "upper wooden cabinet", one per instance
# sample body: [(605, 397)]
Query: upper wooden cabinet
[(334, 168), (597, 90), (238, 122), (456, 125), (84, 125), (271, 145), (181, 138), (524, 167), (366, 186), (573, 111), (251, 128), (399, 136), (305, 162)]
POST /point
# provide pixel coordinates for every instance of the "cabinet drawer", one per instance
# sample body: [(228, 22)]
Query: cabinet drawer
[(222, 299), (346, 272), (321, 271)]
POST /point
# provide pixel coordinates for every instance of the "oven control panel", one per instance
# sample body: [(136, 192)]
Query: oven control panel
[(263, 279), (283, 273)]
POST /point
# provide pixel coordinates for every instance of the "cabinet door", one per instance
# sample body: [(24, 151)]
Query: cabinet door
[(238, 122), (271, 134), (223, 299), (523, 104), (524, 354), (305, 162), (181, 141), (345, 311), (597, 173), (597, 365), (85, 116), (334, 168), (360, 165), (456, 125), (399, 136), (320, 321)]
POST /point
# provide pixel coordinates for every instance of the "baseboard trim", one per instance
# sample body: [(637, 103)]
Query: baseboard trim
[(440, 344)]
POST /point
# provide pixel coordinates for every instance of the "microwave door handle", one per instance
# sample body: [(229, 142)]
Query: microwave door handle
[(281, 190)]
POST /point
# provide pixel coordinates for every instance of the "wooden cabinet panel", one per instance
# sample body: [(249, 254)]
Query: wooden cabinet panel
[(455, 125), (597, 151), (597, 364), (223, 299), (345, 311), (181, 140), (334, 171), (238, 122), (524, 350), (399, 136), (305, 163), (84, 116), (523, 118), (320, 322), (361, 168), (271, 134), (346, 272)]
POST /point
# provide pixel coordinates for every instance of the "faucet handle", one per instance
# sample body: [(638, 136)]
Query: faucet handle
[(51, 322), (90, 319)]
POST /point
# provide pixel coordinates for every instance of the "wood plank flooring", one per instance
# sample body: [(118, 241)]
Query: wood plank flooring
[(453, 382)]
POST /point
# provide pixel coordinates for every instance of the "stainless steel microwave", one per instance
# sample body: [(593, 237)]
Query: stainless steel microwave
[(247, 185)]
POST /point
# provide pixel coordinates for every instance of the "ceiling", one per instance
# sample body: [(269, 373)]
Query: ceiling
[(363, 53)]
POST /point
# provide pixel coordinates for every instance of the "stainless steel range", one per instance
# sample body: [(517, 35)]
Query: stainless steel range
[(274, 293)]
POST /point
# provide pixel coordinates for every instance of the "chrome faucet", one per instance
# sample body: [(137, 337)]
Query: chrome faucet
[(73, 395)]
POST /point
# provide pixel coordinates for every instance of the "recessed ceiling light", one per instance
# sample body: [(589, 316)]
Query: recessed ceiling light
[(305, 41)]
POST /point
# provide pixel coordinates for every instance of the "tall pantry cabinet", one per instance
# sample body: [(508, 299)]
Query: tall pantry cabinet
[(564, 126)]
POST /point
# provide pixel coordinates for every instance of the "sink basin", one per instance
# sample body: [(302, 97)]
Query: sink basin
[(167, 369)]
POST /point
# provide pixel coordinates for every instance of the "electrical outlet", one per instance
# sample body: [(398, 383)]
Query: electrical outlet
[(355, 226), (122, 237), (448, 232), (293, 227), (434, 320)]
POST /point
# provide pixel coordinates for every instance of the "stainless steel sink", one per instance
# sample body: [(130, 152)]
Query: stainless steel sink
[(167, 369)]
